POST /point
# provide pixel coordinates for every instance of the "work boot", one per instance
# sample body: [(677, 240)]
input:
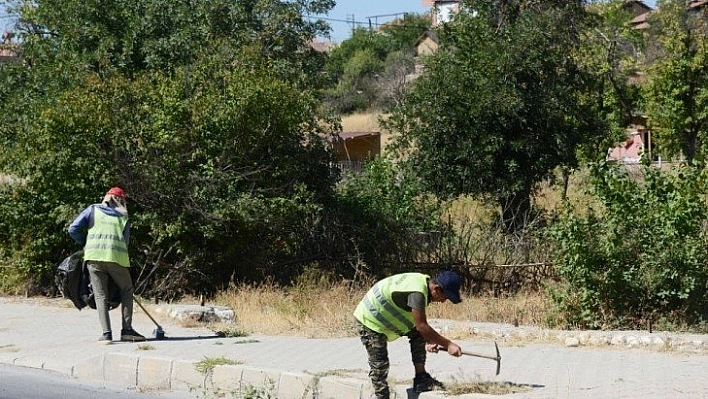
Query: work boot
[(424, 382), (131, 336), (106, 338)]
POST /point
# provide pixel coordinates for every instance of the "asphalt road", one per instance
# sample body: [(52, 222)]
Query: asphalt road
[(24, 382)]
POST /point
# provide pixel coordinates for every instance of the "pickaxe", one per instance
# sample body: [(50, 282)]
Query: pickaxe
[(497, 357)]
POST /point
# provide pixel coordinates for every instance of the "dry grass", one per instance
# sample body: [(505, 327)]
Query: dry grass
[(324, 310), (361, 122), (521, 309), (549, 194), (485, 387)]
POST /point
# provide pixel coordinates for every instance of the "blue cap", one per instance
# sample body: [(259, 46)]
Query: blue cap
[(450, 283)]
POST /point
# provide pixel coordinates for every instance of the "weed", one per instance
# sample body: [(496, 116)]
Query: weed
[(208, 363), (231, 332), (145, 347), (267, 391)]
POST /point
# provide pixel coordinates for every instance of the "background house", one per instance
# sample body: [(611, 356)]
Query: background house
[(353, 149), (427, 44), (7, 48), (442, 10), (632, 150), (636, 7)]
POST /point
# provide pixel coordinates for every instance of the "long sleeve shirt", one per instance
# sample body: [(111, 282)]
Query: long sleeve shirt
[(80, 226)]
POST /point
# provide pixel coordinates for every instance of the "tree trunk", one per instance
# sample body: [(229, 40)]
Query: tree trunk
[(566, 179), (690, 149)]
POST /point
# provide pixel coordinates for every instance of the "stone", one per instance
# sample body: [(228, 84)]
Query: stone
[(618, 339), (199, 314)]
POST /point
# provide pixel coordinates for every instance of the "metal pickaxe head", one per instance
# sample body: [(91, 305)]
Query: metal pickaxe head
[(497, 357)]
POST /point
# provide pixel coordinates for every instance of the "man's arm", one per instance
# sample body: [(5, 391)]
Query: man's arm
[(432, 336), (78, 228)]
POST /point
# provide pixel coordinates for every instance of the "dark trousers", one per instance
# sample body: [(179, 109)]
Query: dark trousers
[(376, 346)]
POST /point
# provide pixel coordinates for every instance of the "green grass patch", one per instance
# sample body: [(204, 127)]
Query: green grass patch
[(208, 363)]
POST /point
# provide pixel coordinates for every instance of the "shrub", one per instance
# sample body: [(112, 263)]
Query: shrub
[(641, 256)]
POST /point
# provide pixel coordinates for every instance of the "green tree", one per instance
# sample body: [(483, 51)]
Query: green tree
[(638, 256), (135, 35), (366, 69), (386, 205), (375, 44), (501, 104), (677, 93), (612, 51), (204, 111), (406, 32)]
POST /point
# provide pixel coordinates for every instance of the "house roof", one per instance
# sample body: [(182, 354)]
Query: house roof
[(355, 135), (7, 48), (321, 46), (640, 19), (637, 7), (695, 4), (428, 34)]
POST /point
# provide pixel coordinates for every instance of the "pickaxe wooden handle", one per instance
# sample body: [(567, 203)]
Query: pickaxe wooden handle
[(497, 357)]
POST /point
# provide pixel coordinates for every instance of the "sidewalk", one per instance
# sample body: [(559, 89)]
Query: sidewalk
[(52, 335)]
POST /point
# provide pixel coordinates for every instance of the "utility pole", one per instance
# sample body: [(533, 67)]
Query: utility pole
[(353, 21), (376, 18)]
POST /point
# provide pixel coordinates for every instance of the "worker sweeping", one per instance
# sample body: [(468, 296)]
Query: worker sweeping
[(394, 307), (104, 231)]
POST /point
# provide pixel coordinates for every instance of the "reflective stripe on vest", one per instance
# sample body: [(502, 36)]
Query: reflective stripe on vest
[(104, 241), (378, 312)]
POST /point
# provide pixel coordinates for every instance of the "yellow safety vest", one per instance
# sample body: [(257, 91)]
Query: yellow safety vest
[(105, 241), (378, 312)]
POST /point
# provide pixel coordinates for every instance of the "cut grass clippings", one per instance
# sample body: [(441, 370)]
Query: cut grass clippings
[(485, 387)]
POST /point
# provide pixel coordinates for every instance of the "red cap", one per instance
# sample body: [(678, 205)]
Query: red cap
[(117, 191)]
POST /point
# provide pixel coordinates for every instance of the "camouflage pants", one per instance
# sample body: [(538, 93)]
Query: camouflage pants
[(376, 346)]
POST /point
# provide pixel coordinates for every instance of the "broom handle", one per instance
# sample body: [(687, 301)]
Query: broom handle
[(146, 312)]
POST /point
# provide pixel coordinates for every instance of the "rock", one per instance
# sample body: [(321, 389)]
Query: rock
[(200, 314), (618, 339), (599, 340), (572, 342), (658, 342), (632, 341)]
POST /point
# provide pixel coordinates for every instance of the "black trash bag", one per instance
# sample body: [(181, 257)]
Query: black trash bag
[(68, 278), (73, 280)]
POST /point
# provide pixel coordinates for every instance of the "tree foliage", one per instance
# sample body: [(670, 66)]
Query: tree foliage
[(501, 105), (613, 51), (639, 257), (365, 70), (677, 93), (205, 112), (393, 212)]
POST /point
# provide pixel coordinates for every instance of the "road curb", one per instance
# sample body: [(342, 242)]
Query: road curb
[(160, 373)]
